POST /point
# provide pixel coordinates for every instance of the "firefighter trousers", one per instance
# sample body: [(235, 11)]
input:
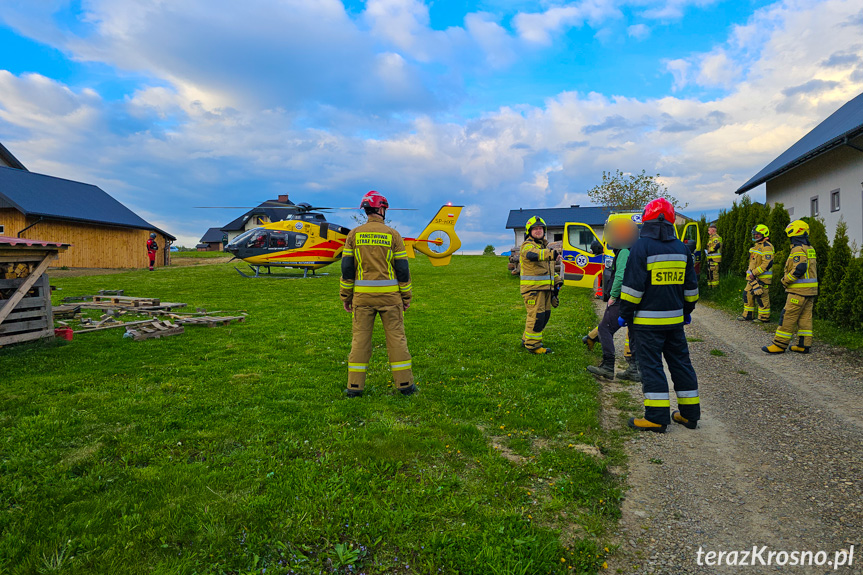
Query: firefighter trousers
[(392, 318), (627, 350), (712, 273), (753, 303), (795, 317), (650, 347), (538, 306)]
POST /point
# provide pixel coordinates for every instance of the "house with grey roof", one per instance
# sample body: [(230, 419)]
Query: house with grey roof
[(211, 241), (821, 175), (103, 233)]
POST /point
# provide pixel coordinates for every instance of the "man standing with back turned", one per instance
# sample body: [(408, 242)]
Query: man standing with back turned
[(375, 281), (659, 292)]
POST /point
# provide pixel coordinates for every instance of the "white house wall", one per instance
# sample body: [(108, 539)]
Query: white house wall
[(840, 169)]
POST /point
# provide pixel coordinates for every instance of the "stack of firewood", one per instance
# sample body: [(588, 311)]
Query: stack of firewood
[(12, 271), (515, 268)]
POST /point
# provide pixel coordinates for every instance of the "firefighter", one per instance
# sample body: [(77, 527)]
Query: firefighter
[(152, 248), (714, 255), (801, 283), (539, 283), (756, 294), (376, 280), (659, 292), (622, 234)]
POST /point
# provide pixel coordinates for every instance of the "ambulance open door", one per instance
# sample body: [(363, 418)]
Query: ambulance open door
[(691, 236), (580, 265)]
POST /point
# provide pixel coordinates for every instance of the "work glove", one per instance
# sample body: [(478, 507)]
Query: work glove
[(555, 254), (621, 322), (555, 301), (687, 319)]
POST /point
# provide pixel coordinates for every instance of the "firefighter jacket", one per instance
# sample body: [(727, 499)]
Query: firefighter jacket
[(800, 274), (761, 261), (375, 268), (537, 266), (714, 249), (659, 284), (152, 246)]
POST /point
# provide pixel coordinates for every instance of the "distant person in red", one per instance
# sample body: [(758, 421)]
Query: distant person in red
[(152, 248)]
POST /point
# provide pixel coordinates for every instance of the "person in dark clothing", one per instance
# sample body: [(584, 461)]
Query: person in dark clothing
[(621, 234), (659, 292)]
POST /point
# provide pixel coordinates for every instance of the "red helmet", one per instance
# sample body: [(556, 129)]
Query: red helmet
[(660, 207), (374, 200)]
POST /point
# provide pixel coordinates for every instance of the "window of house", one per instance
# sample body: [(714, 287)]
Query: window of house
[(558, 237), (813, 207), (834, 201), (2, 229)]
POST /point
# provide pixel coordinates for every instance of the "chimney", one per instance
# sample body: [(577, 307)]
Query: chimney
[(283, 198)]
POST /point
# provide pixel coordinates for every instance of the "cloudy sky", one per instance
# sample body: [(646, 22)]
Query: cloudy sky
[(493, 104)]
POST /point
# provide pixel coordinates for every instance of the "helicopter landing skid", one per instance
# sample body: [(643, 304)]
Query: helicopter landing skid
[(270, 275)]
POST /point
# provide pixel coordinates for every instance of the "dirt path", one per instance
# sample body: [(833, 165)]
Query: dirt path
[(777, 459)]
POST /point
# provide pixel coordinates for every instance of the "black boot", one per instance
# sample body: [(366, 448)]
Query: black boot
[(631, 373), (349, 393), (605, 369), (409, 390)]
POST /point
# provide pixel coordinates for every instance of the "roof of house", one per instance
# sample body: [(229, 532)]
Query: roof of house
[(10, 241), (212, 235), (843, 125), (55, 198), (7, 157), (557, 217), (275, 215)]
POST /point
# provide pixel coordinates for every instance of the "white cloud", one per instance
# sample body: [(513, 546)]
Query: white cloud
[(638, 31)]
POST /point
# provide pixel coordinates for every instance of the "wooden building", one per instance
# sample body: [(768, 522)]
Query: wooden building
[(103, 233), (212, 241)]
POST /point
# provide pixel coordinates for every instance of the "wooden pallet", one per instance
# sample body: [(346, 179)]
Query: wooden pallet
[(128, 301), (31, 318), (209, 320), (154, 330)]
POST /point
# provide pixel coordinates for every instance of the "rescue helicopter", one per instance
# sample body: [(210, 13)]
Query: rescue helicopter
[(307, 241)]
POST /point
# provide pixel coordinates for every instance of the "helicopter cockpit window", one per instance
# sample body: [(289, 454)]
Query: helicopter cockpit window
[(300, 240), (258, 239), (278, 240), (240, 239)]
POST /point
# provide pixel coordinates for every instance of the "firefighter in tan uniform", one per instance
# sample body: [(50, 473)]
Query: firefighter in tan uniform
[(376, 281), (756, 295), (800, 279), (539, 283), (714, 256)]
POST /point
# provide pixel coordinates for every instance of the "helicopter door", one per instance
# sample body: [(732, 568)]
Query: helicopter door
[(580, 265), (691, 236)]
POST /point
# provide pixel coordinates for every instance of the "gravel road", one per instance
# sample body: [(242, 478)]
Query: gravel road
[(777, 459)]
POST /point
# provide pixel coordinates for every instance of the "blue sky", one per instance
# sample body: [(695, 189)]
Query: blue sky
[(494, 104)]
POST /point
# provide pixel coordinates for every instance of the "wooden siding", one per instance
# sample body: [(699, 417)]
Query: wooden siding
[(93, 246)]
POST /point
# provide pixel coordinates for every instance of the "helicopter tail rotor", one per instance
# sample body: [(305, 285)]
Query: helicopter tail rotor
[(438, 240)]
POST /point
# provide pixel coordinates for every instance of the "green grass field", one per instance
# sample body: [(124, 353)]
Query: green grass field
[(232, 449), (728, 297), (200, 255)]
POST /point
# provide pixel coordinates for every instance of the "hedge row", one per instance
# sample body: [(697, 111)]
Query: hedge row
[(840, 270)]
